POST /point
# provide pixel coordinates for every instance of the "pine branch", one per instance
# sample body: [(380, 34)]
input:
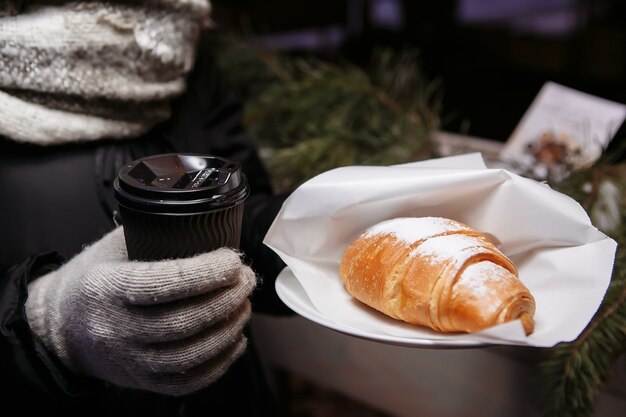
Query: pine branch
[(312, 115), (576, 372)]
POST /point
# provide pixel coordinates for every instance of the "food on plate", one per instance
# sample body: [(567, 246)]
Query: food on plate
[(436, 272)]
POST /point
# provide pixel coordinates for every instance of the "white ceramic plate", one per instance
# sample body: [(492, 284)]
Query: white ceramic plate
[(290, 291)]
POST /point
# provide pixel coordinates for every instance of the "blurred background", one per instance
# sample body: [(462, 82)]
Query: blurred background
[(490, 56), (479, 65)]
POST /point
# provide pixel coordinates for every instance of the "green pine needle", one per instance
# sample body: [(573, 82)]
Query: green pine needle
[(576, 372), (310, 115)]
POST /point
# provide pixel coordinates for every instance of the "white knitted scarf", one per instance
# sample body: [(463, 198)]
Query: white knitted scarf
[(80, 71)]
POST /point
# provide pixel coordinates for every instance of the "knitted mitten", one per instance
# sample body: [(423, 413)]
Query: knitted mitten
[(171, 327)]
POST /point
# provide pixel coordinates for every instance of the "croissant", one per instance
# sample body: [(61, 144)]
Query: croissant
[(436, 272)]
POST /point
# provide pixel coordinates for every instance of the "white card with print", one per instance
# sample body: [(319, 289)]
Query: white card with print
[(563, 118)]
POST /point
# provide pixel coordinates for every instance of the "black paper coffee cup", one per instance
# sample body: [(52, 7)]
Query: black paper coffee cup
[(179, 205)]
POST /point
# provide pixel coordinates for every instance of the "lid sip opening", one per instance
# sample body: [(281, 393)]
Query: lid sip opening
[(180, 184)]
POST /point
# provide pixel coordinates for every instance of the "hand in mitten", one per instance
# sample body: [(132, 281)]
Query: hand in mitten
[(171, 326)]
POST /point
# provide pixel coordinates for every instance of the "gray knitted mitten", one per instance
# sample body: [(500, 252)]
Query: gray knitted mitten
[(170, 327)]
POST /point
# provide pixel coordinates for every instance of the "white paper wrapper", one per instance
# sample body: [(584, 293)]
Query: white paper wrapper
[(564, 261)]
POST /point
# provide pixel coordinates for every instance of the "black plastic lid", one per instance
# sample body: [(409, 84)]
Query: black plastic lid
[(180, 184)]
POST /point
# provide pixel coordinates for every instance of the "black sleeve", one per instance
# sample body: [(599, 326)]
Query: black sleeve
[(24, 361), (258, 216), (208, 119)]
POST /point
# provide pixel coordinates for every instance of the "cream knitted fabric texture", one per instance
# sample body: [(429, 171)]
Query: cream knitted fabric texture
[(72, 71), (170, 327)]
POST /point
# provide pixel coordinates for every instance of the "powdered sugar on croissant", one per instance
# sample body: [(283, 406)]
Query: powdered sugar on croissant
[(436, 272)]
